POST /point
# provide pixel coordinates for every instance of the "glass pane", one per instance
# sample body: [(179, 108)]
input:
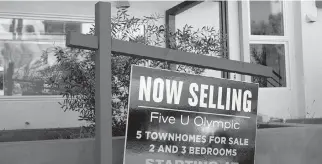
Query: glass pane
[(36, 30), (266, 18), (6, 29), (144, 21), (148, 24), (204, 19), (86, 28), (25, 68), (272, 55), (38, 36), (73, 26), (54, 27)]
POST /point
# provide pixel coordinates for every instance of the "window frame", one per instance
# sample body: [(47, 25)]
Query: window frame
[(287, 67), (31, 97), (286, 32), (272, 39), (171, 13)]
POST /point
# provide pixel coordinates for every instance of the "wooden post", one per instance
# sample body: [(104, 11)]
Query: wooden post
[(103, 89)]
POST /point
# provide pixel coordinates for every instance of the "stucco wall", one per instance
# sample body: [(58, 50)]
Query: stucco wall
[(77, 151), (40, 112), (273, 146), (312, 57), (297, 145), (275, 103)]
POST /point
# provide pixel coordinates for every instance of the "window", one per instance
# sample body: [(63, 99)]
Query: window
[(60, 27), (202, 15), (269, 40), (204, 18), (266, 18), (22, 44), (153, 14), (272, 55)]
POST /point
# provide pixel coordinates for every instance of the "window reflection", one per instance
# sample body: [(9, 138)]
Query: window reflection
[(148, 16), (203, 18), (141, 9), (266, 18), (37, 30), (24, 68), (22, 44), (54, 27), (272, 55), (60, 27), (199, 16), (205, 14)]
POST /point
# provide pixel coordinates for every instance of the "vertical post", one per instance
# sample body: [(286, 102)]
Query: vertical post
[(103, 88), (13, 29), (170, 20), (244, 32), (9, 80), (224, 30)]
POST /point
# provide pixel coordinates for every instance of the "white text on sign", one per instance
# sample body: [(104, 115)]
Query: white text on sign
[(201, 95)]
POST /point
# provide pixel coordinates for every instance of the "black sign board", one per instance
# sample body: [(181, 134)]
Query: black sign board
[(178, 118)]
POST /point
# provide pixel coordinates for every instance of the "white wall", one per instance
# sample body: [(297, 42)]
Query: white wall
[(312, 58), (75, 151), (287, 102), (40, 112)]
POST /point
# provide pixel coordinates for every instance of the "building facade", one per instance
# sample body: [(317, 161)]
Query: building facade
[(284, 35)]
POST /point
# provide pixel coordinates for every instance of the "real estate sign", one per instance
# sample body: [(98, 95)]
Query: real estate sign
[(178, 118)]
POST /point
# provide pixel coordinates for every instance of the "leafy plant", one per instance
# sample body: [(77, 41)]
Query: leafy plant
[(74, 72)]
